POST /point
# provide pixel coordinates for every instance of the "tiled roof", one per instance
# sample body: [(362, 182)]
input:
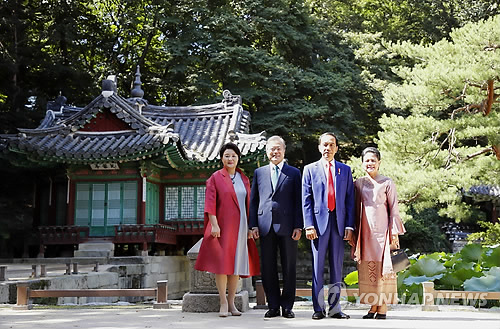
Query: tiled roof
[(484, 193), (178, 135)]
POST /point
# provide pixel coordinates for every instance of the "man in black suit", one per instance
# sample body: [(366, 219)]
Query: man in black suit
[(276, 217)]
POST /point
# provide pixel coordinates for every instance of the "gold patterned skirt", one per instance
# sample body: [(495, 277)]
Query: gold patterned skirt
[(375, 289)]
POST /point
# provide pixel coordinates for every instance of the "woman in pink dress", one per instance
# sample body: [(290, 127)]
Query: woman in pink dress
[(377, 228)]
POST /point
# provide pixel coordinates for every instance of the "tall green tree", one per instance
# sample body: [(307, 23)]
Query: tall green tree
[(450, 141), (295, 75), (417, 21)]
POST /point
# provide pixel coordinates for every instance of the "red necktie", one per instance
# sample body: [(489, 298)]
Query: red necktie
[(331, 189)]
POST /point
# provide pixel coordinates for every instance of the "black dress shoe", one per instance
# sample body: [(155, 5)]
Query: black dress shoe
[(288, 314), (318, 315), (272, 313), (369, 316), (340, 315), (381, 316)]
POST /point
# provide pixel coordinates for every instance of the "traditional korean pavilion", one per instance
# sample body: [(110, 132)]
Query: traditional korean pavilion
[(125, 171)]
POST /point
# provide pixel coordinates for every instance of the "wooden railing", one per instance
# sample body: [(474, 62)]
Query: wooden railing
[(134, 233), (145, 233), (187, 226), (63, 234), (24, 294)]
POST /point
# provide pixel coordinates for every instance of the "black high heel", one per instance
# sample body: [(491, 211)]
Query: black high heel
[(381, 316), (369, 315)]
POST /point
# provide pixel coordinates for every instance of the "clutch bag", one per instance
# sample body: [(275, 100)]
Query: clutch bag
[(399, 260)]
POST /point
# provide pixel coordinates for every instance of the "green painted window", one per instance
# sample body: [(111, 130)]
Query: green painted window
[(152, 203), (184, 202), (101, 206)]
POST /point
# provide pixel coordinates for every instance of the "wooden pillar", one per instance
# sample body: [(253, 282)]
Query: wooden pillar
[(51, 220), (141, 192), (70, 203), (161, 203), (41, 251), (23, 296), (36, 205), (162, 293)]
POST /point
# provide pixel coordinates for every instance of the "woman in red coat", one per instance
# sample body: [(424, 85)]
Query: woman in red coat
[(227, 250)]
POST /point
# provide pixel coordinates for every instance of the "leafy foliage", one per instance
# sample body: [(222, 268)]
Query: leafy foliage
[(469, 269), (448, 141), (489, 237), (489, 282), (417, 21), (474, 268)]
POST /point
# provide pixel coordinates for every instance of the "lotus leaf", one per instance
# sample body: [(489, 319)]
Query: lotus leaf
[(491, 257), (428, 267), (484, 283), (495, 271), (465, 274), (464, 265), (449, 280), (471, 252), (419, 279)]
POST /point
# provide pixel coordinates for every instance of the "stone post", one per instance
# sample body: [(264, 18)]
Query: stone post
[(3, 271), (43, 271), (162, 295), (428, 297), (34, 272), (203, 296)]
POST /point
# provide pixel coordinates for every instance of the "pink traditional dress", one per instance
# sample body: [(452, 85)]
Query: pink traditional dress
[(377, 216)]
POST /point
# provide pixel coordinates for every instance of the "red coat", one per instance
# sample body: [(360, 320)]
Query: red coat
[(217, 254)]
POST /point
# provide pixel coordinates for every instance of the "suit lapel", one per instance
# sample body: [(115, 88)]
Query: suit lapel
[(283, 175), (321, 172)]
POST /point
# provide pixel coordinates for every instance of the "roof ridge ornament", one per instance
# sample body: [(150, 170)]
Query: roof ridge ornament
[(230, 98), (137, 91), (109, 86), (232, 136)]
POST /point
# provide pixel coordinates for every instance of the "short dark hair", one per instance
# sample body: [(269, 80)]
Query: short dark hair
[(327, 134), (370, 149), (230, 146)]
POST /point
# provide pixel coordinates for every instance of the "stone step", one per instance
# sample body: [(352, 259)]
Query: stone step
[(93, 253), (96, 246), (95, 249)]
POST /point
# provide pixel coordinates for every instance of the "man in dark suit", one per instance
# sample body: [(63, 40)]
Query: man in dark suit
[(328, 204), (276, 217)]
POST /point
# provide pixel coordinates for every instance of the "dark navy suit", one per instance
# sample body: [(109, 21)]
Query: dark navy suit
[(276, 214), (329, 225)]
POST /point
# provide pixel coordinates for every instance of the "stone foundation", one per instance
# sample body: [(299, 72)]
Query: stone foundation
[(203, 303)]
